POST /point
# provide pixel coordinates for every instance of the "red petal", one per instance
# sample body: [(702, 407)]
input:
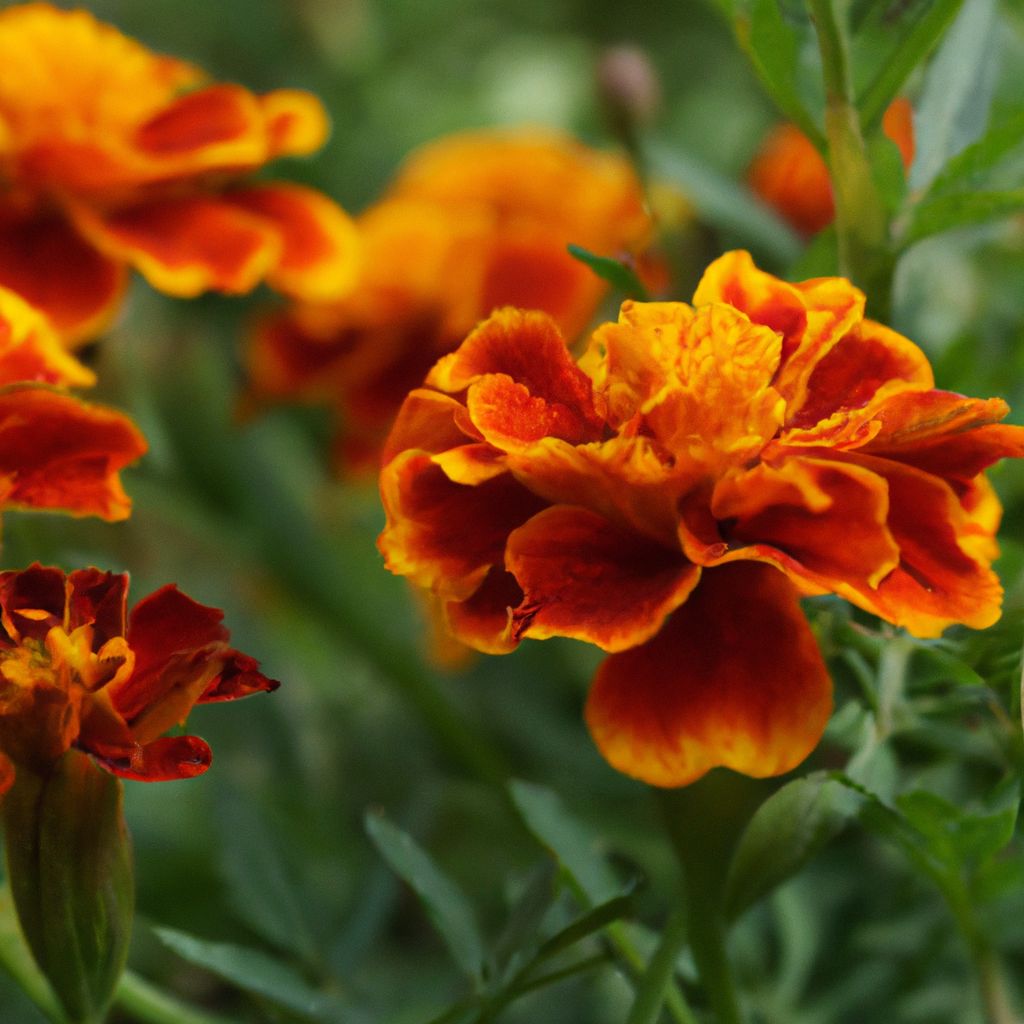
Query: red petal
[(483, 620), (37, 588), (98, 598), (187, 245), (319, 244), (444, 535), (56, 270), (240, 677), (428, 421), (586, 578), (733, 678), (59, 453), (171, 757)]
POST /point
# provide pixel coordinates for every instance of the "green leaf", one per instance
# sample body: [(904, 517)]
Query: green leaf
[(447, 906), (255, 972), (69, 866), (19, 973), (897, 45), (954, 104), (617, 274), (973, 169), (592, 921), (254, 869), (724, 203), (576, 849), (773, 48), (524, 922), (947, 212), (787, 830)]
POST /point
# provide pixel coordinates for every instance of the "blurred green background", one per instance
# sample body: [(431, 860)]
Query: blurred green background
[(269, 851)]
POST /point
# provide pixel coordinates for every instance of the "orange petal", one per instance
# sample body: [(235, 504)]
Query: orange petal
[(184, 246), (733, 678), (868, 364), (822, 522), (319, 245), (296, 122), (444, 535), (172, 757), (585, 578), (219, 127), (527, 347), (6, 774), (898, 124), (789, 174), (53, 268), (59, 453), (429, 421), (30, 349)]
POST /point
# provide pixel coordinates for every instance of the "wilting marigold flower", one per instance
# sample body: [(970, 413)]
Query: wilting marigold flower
[(113, 157), (672, 496), (56, 452), (473, 222), (789, 174), (75, 672)]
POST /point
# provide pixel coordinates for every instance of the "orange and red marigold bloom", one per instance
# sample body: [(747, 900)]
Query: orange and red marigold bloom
[(113, 157), (56, 452), (672, 496), (76, 671), (472, 222), (789, 174)]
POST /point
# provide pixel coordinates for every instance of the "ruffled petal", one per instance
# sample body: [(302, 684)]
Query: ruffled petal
[(38, 590), (319, 245), (186, 245), (443, 535), (429, 421), (585, 578), (165, 759), (484, 620), (47, 262), (733, 678), (98, 599), (59, 453), (528, 348), (820, 521)]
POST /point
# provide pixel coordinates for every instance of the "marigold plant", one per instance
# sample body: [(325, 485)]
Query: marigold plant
[(789, 174), (673, 496), (471, 223), (113, 157), (77, 671)]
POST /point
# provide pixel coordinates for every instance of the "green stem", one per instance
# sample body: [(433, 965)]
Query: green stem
[(892, 678), (860, 220), (704, 822), (653, 985), (148, 1005)]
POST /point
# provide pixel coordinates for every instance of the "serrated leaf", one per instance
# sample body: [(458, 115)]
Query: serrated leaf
[(787, 830), (445, 903), (253, 971), (254, 869), (954, 104), (617, 274), (576, 849), (773, 48)]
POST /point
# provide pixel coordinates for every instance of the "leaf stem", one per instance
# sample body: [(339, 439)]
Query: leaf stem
[(149, 1005), (652, 986)]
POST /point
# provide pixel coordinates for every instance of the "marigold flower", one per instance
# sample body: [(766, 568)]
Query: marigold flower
[(76, 672), (473, 222), (672, 496), (56, 452), (113, 157), (789, 174)]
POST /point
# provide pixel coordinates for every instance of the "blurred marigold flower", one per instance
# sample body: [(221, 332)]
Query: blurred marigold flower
[(672, 496), (56, 452), (789, 174), (75, 673), (472, 222), (113, 157)]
